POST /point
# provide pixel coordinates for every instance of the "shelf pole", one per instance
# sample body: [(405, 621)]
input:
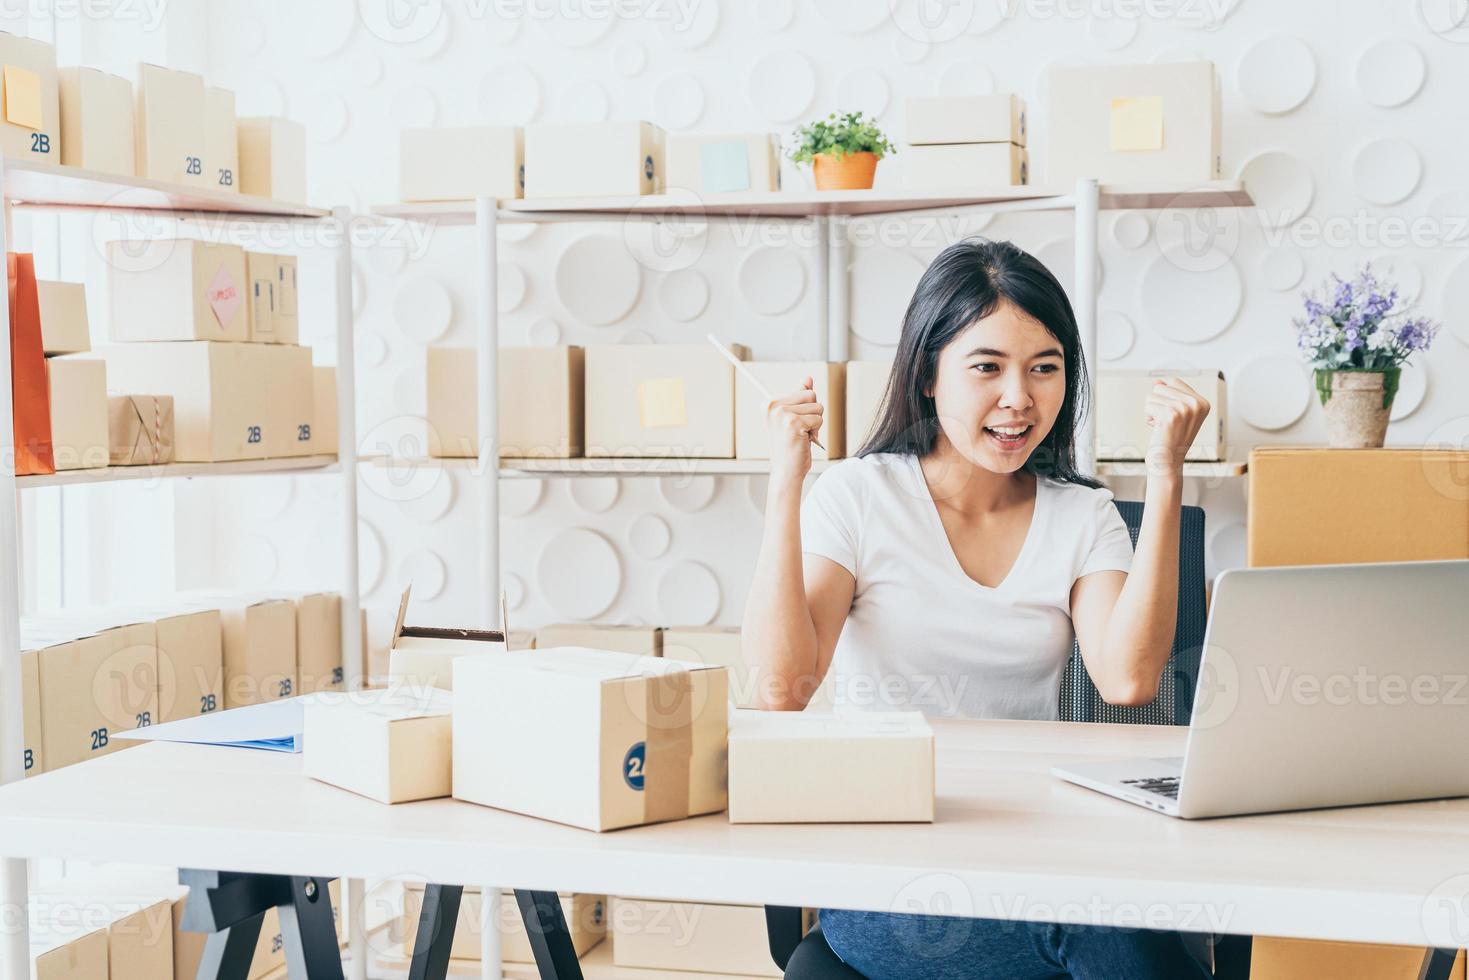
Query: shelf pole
[(14, 898), (837, 289), (1085, 303), (820, 226), (487, 414)]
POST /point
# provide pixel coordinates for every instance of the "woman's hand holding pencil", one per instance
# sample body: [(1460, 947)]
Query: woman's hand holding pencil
[(794, 419)]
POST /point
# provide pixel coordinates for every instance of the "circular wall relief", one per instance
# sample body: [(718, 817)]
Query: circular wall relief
[(1115, 335), (1112, 33), (1455, 302), (545, 332), (678, 101), (865, 90), (435, 500), (1227, 546), (695, 27), (1131, 229), (575, 26), (595, 495), (519, 497), (683, 295), (782, 85), (1386, 171), (630, 58), (325, 27), (585, 101), (1190, 306), (414, 106), (649, 536), (510, 94), (854, 16), (774, 15), (579, 573), (369, 556), (967, 78), (597, 281), (688, 593), (372, 350), (882, 282), (1282, 268), (423, 310), (1277, 74), (1412, 386), (1059, 255), (512, 286), (1271, 392), (1451, 210), (1391, 72), (910, 50), (636, 337), (514, 587), (772, 280), (1281, 185), (689, 494), (327, 114), (426, 571)]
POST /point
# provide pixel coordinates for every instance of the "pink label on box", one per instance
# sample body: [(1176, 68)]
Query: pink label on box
[(224, 297)]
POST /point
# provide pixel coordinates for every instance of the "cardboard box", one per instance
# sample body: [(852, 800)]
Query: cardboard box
[(176, 289), (219, 396), (68, 954), (188, 947), (97, 127), (541, 398), (423, 656), (260, 293), (137, 931), (1312, 506), (30, 109), (964, 119), (324, 394), (690, 937), (642, 641), (598, 159), (272, 158), (79, 429), (1122, 426), (221, 141), (718, 645), (291, 403), (190, 661), (965, 165), (171, 132), (285, 314), (520, 640), (663, 400), (723, 163), (796, 766), (752, 428), (586, 921), (139, 430), (460, 163), (319, 642), (636, 740), (1290, 959), (389, 745), (63, 317), (33, 760), (867, 382), (259, 644), (1134, 123)]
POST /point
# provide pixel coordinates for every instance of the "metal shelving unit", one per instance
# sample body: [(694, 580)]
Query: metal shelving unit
[(45, 186)]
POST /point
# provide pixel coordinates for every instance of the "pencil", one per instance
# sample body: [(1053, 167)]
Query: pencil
[(749, 376)]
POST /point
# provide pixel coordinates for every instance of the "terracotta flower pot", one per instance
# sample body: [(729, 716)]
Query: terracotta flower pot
[(1357, 405), (853, 172)]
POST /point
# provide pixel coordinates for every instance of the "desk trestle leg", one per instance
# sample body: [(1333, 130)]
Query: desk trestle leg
[(435, 936), (1437, 964), (550, 941), (230, 905), (227, 953)]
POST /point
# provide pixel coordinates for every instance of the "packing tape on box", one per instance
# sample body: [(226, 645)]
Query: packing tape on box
[(662, 403), (1137, 124), (668, 714)]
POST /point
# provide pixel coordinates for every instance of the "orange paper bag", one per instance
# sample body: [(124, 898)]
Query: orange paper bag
[(31, 393)]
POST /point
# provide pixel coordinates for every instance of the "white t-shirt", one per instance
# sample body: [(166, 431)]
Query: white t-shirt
[(922, 635)]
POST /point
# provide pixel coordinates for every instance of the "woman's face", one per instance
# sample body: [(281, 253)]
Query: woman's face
[(1003, 372)]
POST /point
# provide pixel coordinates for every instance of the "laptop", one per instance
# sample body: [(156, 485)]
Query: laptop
[(1319, 686)]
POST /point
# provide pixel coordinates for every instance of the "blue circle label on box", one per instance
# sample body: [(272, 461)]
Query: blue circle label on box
[(632, 765)]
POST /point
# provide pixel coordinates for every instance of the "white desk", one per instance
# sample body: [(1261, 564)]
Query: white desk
[(1009, 841)]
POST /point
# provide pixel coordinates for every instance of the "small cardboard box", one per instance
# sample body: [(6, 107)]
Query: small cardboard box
[(286, 313), (259, 644), (661, 400), (957, 166), (176, 289), (934, 119), (598, 159), (752, 428), (1123, 431), (63, 317), (68, 954), (291, 404), (324, 394), (260, 292), (138, 930), (460, 163), (691, 937), (1134, 123), (79, 430), (221, 141), (718, 645), (638, 740), (170, 132), (586, 921), (1396, 504), (139, 430), (30, 109), (319, 642), (423, 656), (272, 158), (33, 760), (643, 641), (723, 163), (541, 398), (269, 955), (867, 382), (97, 121), (219, 396), (1291, 959), (190, 661), (390, 745), (795, 767)]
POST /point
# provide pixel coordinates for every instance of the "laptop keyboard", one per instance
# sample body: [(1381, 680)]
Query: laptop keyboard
[(1160, 785)]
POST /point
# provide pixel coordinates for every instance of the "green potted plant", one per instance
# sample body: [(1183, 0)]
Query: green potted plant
[(843, 150), (1357, 338)]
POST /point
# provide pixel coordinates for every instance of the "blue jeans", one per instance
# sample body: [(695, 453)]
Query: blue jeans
[(898, 946)]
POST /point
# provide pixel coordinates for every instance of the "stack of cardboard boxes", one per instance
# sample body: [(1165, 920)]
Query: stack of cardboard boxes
[(78, 385), (963, 142)]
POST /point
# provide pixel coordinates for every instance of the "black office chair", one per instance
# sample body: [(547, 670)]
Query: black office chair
[(810, 958)]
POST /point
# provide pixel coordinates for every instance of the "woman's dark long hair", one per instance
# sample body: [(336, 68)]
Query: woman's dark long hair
[(967, 282)]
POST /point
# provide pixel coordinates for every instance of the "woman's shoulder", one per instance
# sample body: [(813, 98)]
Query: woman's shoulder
[(869, 469), (1077, 496)]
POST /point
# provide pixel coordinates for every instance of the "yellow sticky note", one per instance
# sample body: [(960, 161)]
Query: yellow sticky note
[(23, 97), (661, 403), (1137, 124)]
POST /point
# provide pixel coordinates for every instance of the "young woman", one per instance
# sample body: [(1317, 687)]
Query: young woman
[(948, 566)]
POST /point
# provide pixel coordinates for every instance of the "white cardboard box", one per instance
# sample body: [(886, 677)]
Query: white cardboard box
[(423, 656), (1134, 123), (660, 400), (720, 646), (635, 740), (390, 745), (272, 158), (170, 132), (63, 317), (693, 937), (541, 398), (867, 381), (1123, 432), (177, 289), (644, 641), (599, 159), (458, 163), (797, 767), (30, 109), (291, 403), (723, 163), (97, 121), (285, 313), (957, 166), (964, 119), (221, 141), (752, 429), (79, 430)]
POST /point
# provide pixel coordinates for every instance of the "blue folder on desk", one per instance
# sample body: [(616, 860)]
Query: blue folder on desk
[(275, 726)]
